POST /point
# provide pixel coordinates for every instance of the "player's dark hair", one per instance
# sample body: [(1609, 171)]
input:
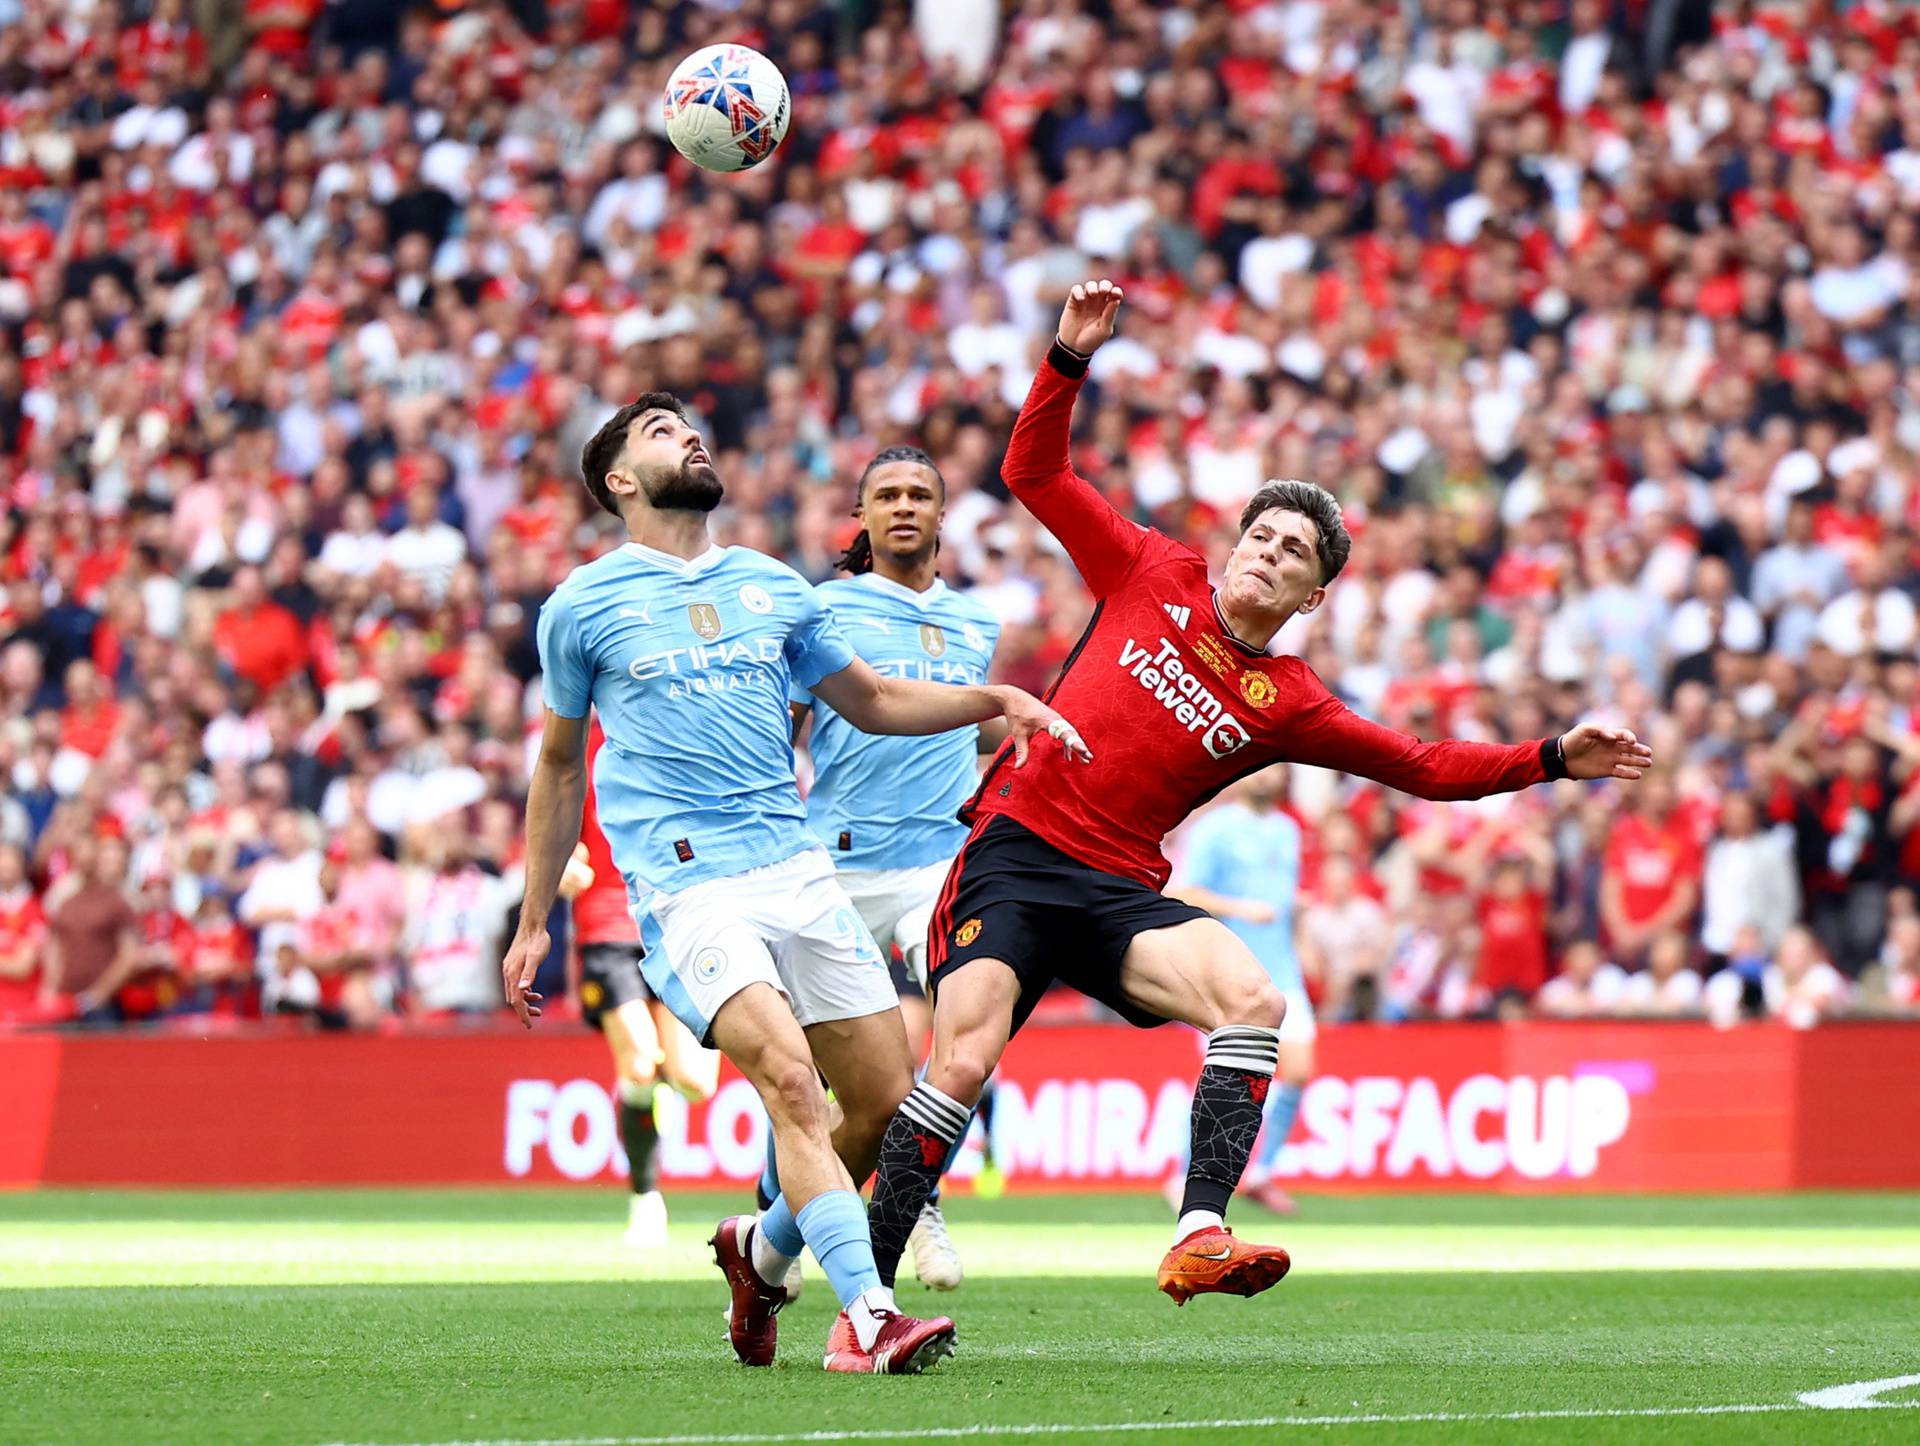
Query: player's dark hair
[(602, 451), (858, 557), (1334, 543)]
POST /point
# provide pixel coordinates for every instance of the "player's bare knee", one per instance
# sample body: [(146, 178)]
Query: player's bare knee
[(1253, 1001), (794, 1098), (636, 1070), (961, 1073)]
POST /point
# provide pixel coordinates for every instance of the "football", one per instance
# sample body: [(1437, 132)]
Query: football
[(727, 107)]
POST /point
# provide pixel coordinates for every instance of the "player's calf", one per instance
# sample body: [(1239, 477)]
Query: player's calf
[(1228, 1100), (913, 1152)]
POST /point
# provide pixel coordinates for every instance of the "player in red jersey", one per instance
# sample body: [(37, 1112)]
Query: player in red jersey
[(1175, 691), (648, 1043)]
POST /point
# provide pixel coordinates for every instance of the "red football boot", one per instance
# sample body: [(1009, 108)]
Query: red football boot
[(1212, 1261), (750, 1314), (904, 1347)]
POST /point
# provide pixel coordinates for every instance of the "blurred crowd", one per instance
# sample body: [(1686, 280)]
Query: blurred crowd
[(1602, 320)]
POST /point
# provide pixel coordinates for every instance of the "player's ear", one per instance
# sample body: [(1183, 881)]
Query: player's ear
[(1312, 601), (623, 484)]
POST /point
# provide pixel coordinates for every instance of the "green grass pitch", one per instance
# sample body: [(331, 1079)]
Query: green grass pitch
[(491, 1317)]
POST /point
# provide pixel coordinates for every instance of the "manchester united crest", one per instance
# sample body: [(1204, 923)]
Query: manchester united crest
[(967, 933), (933, 639), (1258, 689), (705, 618)]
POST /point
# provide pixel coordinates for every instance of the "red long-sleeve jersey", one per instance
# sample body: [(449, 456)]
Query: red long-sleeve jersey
[(1172, 705)]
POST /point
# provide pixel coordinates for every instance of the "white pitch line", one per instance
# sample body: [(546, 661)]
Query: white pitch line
[(1860, 1395), (951, 1433)]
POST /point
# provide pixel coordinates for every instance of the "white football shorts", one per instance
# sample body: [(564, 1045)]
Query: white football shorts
[(788, 924), (897, 905)]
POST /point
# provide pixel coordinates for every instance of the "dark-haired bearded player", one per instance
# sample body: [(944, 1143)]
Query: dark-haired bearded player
[(1175, 691)]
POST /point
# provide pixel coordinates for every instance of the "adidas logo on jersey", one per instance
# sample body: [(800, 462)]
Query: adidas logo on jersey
[(1178, 614)]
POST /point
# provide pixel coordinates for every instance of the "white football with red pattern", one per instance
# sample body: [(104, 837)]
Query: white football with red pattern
[(727, 107)]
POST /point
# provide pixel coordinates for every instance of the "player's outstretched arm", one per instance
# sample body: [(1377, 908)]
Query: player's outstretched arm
[(1038, 468), (1331, 735), (555, 801), (877, 704)]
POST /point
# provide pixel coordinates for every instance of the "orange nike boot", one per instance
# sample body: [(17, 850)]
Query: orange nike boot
[(1212, 1261)]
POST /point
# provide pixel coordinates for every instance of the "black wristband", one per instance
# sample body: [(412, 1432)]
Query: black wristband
[(1553, 759), (1065, 360)]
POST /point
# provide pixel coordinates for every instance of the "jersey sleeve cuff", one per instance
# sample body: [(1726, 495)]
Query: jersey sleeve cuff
[(1553, 759), (1065, 360)]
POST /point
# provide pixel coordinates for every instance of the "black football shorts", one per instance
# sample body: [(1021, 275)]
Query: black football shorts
[(1014, 897), (609, 978)]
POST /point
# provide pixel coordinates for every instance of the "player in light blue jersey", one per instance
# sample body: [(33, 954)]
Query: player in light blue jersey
[(887, 809), (1241, 863), (688, 651)]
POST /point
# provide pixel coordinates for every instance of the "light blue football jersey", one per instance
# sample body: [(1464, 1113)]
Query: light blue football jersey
[(1233, 850), (690, 664), (891, 803)]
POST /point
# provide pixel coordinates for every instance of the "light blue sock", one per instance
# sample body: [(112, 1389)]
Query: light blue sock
[(1280, 1112), (770, 1177), (835, 1227), (783, 1232)]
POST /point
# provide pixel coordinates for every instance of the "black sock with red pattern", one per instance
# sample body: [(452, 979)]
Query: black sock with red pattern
[(1227, 1104), (913, 1152)]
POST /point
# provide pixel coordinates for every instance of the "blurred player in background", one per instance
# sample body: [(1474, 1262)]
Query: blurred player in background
[(887, 809), (648, 1043), (1241, 863), (1061, 875), (688, 651)]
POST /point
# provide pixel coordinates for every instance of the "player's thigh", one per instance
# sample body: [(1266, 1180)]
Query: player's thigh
[(1199, 973), (629, 1031), (973, 1018), (916, 1017), (755, 1028), (867, 1062), (685, 1064)]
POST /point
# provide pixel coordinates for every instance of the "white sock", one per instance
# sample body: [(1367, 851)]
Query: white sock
[(864, 1311), (769, 1264), (1196, 1220)]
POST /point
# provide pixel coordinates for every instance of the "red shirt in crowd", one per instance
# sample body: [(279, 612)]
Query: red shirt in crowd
[(264, 646), (218, 948), (89, 728), (1513, 941), (1652, 861), (23, 925)]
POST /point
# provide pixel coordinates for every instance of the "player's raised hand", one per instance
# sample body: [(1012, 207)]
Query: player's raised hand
[(1087, 319), (523, 960), (1595, 752), (1028, 717)]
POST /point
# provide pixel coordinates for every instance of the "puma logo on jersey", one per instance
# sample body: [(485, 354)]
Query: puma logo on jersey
[(1180, 691), (640, 613), (1178, 614)]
